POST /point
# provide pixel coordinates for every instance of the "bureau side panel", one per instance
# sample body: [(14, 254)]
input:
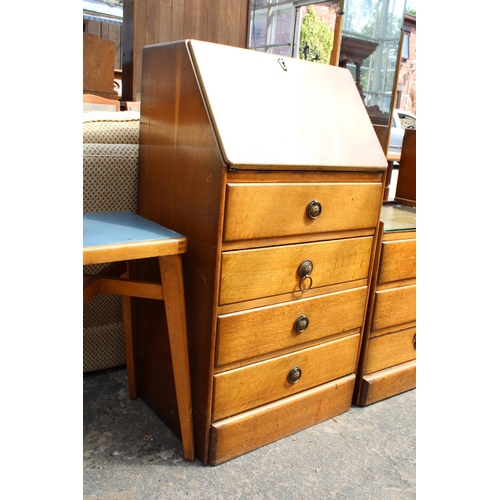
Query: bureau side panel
[(181, 181)]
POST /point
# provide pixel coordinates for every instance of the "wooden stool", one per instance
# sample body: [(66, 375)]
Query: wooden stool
[(120, 237)]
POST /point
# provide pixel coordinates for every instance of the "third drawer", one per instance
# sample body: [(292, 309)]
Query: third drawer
[(391, 349), (256, 332)]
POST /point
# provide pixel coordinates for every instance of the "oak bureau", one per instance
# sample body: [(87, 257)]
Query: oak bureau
[(272, 170)]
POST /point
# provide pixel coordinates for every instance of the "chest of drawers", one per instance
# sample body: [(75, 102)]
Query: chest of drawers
[(388, 359), (280, 205)]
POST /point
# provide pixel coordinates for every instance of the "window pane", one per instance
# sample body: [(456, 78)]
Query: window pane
[(271, 26), (317, 25), (405, 54), (372, 30)]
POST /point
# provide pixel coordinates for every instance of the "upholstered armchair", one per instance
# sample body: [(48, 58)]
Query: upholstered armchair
[(110, 165)]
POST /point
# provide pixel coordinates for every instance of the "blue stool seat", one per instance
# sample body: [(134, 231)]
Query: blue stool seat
[(109, 228), (125, 235), (115, 237)]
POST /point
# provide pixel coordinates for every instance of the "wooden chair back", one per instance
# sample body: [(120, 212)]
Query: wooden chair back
[(93, 102)]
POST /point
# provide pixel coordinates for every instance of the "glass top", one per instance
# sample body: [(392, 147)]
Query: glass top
[(398, 218)]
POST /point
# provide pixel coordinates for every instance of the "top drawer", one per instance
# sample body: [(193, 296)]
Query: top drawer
[(398, 261), (263, 210)]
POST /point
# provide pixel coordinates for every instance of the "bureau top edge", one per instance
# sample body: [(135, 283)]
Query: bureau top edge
[(306, 167)]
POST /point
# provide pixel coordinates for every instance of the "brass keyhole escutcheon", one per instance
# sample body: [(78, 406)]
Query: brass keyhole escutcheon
[(294, 375), (314, 209), (301, 323), (415, 341), (305, 270)]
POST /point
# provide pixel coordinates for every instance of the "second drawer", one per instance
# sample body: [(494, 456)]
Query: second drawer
[(394, 306), (260, 383), (264, 272)]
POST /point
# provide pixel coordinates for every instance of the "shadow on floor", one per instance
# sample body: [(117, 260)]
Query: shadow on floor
[(129, 454)]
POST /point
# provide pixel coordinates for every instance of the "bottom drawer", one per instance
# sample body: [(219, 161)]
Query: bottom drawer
[(254, 385), (248, 431), (391, 349), (387, 383)]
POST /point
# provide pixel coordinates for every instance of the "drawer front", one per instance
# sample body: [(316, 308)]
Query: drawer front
[(246, 334), (387, 383), (391, 349), (395, 306), (264, 272), (248, 431), (398, 261), (266, 210), (260, 383)]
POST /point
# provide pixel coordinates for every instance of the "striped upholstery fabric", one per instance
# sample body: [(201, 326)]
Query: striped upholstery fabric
[(110, 165)]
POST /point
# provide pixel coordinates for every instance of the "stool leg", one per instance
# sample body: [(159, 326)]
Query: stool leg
[(129, 339), (173, 293)]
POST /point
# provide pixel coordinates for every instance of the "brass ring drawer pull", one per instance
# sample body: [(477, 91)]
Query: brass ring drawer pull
[(294, 375), (415, 341), (305, 288), (301, 323), (305, 270), (314, 209)]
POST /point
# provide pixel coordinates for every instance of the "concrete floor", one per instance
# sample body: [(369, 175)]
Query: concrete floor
[(129, 454)]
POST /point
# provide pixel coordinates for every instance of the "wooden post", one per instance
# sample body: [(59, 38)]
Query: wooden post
[(337, 38)]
